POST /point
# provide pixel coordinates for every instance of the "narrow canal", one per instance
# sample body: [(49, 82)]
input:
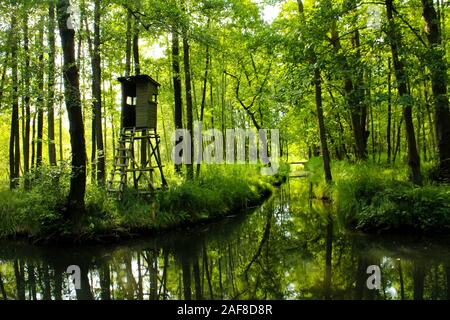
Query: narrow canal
[(289, 248)]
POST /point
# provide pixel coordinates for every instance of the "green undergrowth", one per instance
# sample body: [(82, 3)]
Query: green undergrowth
[(217, 192), (379, 198), (214, 194)]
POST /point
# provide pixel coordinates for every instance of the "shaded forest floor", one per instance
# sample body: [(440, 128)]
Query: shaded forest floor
[(378, 198), (219, 191)]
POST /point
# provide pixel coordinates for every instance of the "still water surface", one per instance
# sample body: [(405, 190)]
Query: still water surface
[(289, 248)]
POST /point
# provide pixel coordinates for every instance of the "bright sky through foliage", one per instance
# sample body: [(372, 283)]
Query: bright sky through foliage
[(270, 12)]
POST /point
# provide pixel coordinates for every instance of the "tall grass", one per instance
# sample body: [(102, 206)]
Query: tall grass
[(220, 190), (379, 198), (34, 210)]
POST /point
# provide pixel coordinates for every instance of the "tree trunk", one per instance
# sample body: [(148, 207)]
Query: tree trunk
[(328, 258), (389, 115), (31, 282), (85, 24), (398, 143), (46, 279), (128, 45), (208, 272), (137, 71), (33, 141), (4, 69), (137, 65), (84, 293), (395, 42), (223, 95), (418, 280), (189, 122), (51, 84), (438, 69), (104, 116), (105, 281), (322, 130), (97, 95), (73, 105), (93, 147), (424, 135), (202, 107), (40, 102), (178, 112), (433, 136), (26, 102), (197, 281), (14, 148), (60, 113), (354, 94), (2, 289), (319, 107), (419, 128), (19, 273), (359, 102)]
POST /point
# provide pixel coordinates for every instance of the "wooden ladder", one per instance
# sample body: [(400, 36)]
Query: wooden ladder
[(122, 160)]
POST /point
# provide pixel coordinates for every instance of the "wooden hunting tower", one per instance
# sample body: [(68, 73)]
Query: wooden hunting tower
[(139, 102), (138, 127)]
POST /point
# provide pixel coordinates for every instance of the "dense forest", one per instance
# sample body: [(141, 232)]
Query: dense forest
[(356, 89), (348, 80)]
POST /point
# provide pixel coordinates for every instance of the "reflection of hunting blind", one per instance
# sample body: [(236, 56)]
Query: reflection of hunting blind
[(138, 124)]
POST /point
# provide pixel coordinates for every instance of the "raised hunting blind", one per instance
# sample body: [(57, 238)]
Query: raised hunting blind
[(139, 102), (138, 138)]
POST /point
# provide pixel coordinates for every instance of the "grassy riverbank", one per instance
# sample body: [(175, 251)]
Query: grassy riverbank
[(380, 199), (219, 192)]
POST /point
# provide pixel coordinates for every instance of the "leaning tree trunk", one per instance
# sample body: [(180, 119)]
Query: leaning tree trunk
[(73, 104), (395, 42), (438, 69)]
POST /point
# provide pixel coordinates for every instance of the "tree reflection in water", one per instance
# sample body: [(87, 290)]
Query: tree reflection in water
[(290, 248)]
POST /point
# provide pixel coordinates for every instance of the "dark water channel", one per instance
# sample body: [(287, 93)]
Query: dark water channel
[(290, 248)]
